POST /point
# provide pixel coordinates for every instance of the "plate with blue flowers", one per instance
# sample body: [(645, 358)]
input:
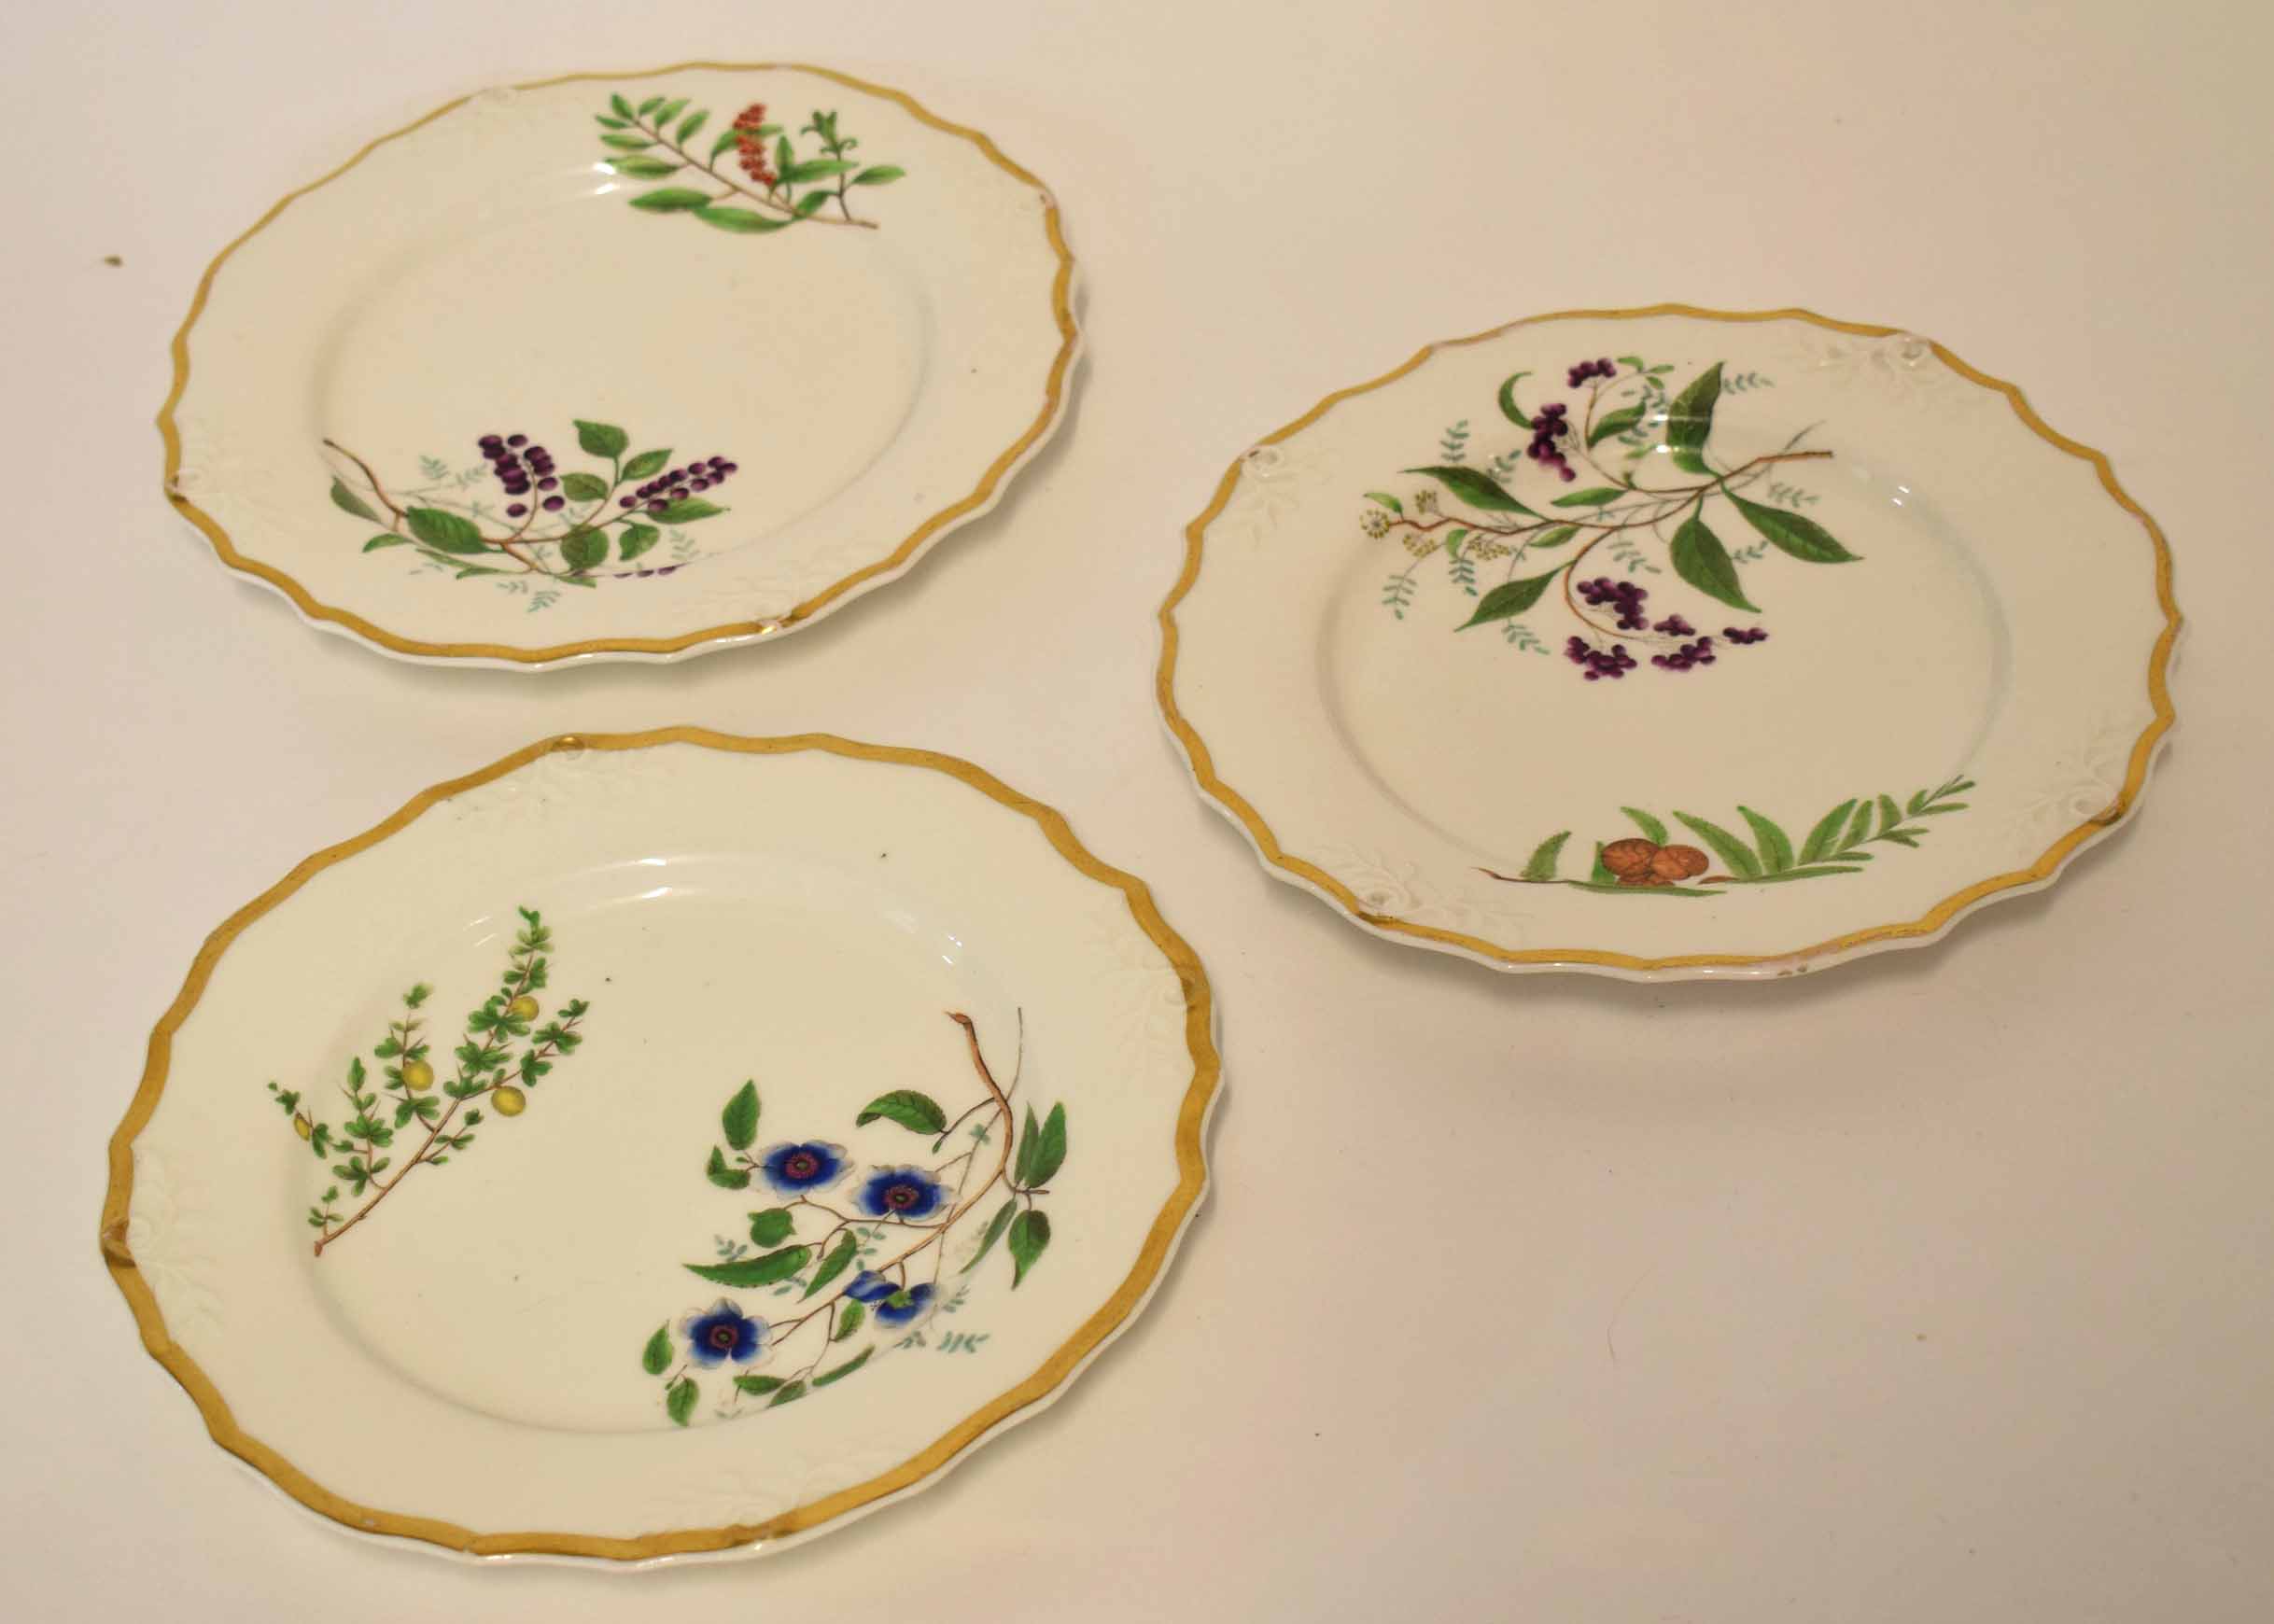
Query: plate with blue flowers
[(1671, 642), (661, 1144), (621, 365)]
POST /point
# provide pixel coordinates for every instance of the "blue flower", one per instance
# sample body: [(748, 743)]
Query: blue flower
[(901, 1193), (868, 1285), (793, 1168), (903, 1305), (721, 1333)]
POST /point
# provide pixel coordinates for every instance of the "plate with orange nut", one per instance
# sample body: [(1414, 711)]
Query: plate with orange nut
[(1671, 642)]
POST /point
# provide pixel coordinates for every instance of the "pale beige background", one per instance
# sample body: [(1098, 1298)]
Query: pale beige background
[(1934, 1289)]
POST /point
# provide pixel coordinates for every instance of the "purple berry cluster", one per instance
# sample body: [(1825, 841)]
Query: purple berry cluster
[(1673, 627), (1586, 370), (1689, 654), (676, 484), (1744, 633), (1595, 664), (518, 466), (1548, 427), (1623, 595)]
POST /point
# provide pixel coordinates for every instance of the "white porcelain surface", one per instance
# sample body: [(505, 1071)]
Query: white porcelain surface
[(869, 373), (501, 1342), (1890, 649)]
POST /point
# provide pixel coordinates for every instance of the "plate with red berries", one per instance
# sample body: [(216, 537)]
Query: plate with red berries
[(622, 366), (1671, 642)]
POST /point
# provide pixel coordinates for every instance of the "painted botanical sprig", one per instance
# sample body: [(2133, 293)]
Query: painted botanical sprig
[(876, 1265), (1625, 414), (658, 139), (502, 1056), (563, 527), (1656, 865)]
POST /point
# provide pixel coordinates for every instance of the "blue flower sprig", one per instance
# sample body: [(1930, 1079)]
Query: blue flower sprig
[(862, 1269)]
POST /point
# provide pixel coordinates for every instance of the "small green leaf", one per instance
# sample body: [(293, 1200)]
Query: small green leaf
[(842, 1371), (727, 1177), (600, 438), (692, 123), (644, 168), (727, 137), (1700, 559), (607, 122), (1613, 422), (1826, 832), (671, 200), (1942, 807), (628, 143), (669, 111), (1509, 599), (583, 550), (650, 105), (348, 502), (1545, 856), (741, 220), (791, 1393), (1388, 501), (1596, 497), (657, 1353), (1029, 1138), (1803, 538), (1814, 872), (761, 1385), (848, 1320), (687, 512), (1049, 1148), (647, 463), (878, 175), (772, 1226), (1727, 847), (633, 539), (445, 532), (583, 487), (754, 1271), (839, 1259), (782, 159), (679, 1400), (740, 1120), (812, 203), (1890, 814), (621, 106), (1690, 420), (1478, 490), (916, 1112), (1775, 847), (1650, 826), (378, 541), (1861, 826), (1554, 538), (1030, 1235), (995, 1226), (1508, 409)]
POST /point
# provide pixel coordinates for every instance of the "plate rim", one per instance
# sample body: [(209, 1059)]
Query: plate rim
[(1919, 931), (1024, 1398), (895, 563)]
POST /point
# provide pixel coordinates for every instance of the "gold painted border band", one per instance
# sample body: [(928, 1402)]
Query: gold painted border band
[(1927, 925), (981, 495), (1159, 1239)]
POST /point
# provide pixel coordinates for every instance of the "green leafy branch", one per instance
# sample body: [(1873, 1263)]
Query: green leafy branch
[(566, 547), (1618, 510), (1656, 865), (488, 1064), (654, 141)]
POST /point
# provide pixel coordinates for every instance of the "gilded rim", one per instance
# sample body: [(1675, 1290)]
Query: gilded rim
[(1159, 1241), (1301, 871), (981, 496)]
